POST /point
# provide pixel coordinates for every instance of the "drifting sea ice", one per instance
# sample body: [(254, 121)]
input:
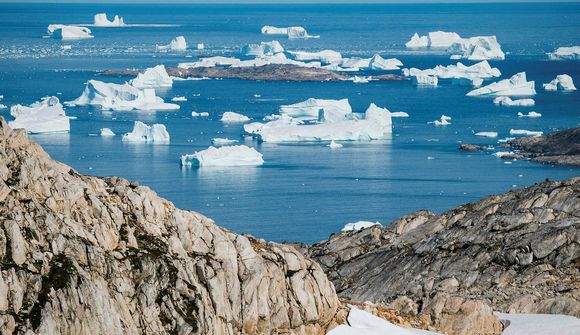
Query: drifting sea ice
[(530, 115), (68, 32), (235, 155), (232, 117), (222, 141), (45, 116), (517, 85), (565, 53), (153, 77), (399, 114), (425, 80), (501, 154), (291, 32), (177, 44), (263, 49), (507, 101), (324, 56), (311, 109), (360, 225), (210, 62), (443, 121), (156, 133), (524, 132), (202, 114), (490, 134), (101, 20), (562, 82), (179, 99), (473, 48), (107, 132)]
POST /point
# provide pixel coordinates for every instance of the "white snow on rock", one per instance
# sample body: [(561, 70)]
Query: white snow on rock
[(153, 77), (235, 155), (263, 49), (119, 97), (312, 109), (232, 117), (222, 141), (443, 121), (517, 85), (507, 101), (360, 225), (481, 70), (530, 115), (149, 134), (474, 48), (101, 20), (334, 145), (524, 132), (68, 32), (562, 82), (565, 53), (539, 324), (490, 134), (177, 44), (290, 32), (45, 116), (324, 56), (107, 132), (425, 80)]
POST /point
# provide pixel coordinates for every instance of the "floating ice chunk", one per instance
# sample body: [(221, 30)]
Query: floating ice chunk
[(145, 133), (530, 115), (101, 20), (525, 132), (473, 82), (515, 86), (281, 121), (424, 80), (232, 117), (334, 145), (490, 134), (418, 42), (324, 56), (67, 32), (66, 47), (200, 46), (120, 97), (210, 62), (481, 70), (222, 141), (311, 109), (235, 155), (153, 77), (507, 101), (202, 114), (105, 132), (2, 106), (562, 82), (270, 30), (45, 116), (442, 39), (379, 63), (177, 44), (179, 99), (263, 49), (299, 32), (443, 121), (361, 79), (360, 225), (478, 48), (565, 53), (501, 154), (399, 114)]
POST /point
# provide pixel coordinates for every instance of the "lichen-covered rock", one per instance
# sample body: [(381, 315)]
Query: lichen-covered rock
[(86, 255)]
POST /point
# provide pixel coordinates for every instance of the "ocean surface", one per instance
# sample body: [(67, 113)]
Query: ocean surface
[(304, 192)]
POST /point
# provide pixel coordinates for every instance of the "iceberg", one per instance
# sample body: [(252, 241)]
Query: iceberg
[(311, 109), (101, 20), (177, 44), (517, 85), (478, 48), (281, 121), (490, 134), (525, 132), (231, 117), (235, 155), (270, 30), (360, 225), (435, 39), (530, 115), (45, 116), (443, 121), (291, 32), (565, 53), (68, 32), (210, 62), (119, 97), (379, 63), (562, 82), (200, 46), (418, 42), (107, 132), (424, 80), (376, 63), (399, 114), (145, 133), (481, 70), (507, 101), (334, 145), (324, 56), (179, 99), (263, 49), (222, 141), (153, 77), (202, 114)]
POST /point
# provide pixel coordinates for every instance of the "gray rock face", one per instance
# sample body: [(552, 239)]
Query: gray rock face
[(561, 147), (85, 255), (516, 252)]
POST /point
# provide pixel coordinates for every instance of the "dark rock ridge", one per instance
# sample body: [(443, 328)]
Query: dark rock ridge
[(515, 252), (561, 147), (88, 255)]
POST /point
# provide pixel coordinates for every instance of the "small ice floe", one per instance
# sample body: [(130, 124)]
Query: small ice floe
[(200, 46), (101, 20), (443, 121), (2, 106), (501, 154), (202, 114), (177, 44), (105, 132), (399, 114), (68, 32), (45, 116), (179, 99), (232, 117), (425, 80), (153, 77), (156, 133), (490, 134), (565, 53), (271, 117), (334, 145), (430, 158), (222, 141), (360, 225), (235, 155), (291, 32), (517, 85), (530, 115), (524, 132), (361, 79), (562, 82), (507, 101)]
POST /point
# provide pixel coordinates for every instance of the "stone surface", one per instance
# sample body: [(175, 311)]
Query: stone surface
[(561, 147)]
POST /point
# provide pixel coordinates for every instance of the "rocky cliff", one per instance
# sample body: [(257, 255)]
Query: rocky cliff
[(87, 255)]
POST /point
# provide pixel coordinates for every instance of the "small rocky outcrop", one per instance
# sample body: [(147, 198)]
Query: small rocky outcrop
[(561, 147), (473, 147), (515, 252), (87, 255)]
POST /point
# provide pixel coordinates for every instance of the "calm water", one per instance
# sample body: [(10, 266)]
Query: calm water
[(303, 192)]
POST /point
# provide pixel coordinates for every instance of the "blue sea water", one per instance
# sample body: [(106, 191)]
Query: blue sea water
[(304, 192)]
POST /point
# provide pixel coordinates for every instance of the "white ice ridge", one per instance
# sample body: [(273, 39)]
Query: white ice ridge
[(376, 125), (107, 132), (375, 62), (524, 132), (119, 97), (481, 70), (235, 155), (45, 116), (177, 44), (101, 20), (324, 56), (150, 134), (565, 53), (539, 324), (263, 49), (291, 32), (312, 108), (232, 117), (530, 115), (490, 134), (424, 80), (359, 224), (443, 121), (562, 82), (153, 77), (517, 85), (222, 141), (473, 48), (507, 101), (67, 32)]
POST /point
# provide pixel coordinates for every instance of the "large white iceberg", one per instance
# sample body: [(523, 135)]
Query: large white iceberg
[(507, 101), (263, 49), (360, 225), (517, 85), (379, 63), (374, 63), (101, 20), (562, 82), (324, 56), (45, 116), (232, 117), (478, 48), (177, 44), (68, 32), (291, 32), (119, 97), (435, 39), (481, 70), (153, 77), (235, 155), (565, 53), (312, 109), (156, 133), (424, 80), (417, 41), (524, 132)]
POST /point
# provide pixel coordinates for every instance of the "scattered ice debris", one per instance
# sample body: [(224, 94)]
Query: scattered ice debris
[(291, 32), (235, 155), (153, 77), (562, 82), (222, 141), (425, 80), (360, 225), (472, 74), (399, 114), (507, 101), (525, 132), (202, 114), (200, 46), (324, 56), (530, 115), (473, 48), (107, 132), (263, 49), (232, 117), (565, 53), (119, 97), (490, 134), (177, 44), (517, 85), (501, 154), (443, 121), (101, 20), (45, 116), (334, 145), (68, 32), (312, 108), (179, 99), (145, 133)]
